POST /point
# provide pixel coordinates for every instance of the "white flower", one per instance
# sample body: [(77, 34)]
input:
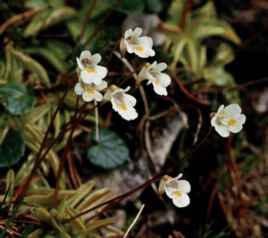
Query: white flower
[(90, 71), (177, 189), (228, 120), (90, 92), (122, 102), (149, 23), (153, 73), (133, 42)]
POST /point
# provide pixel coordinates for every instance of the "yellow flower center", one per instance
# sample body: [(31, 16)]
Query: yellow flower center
[(90, 69), (122, 106), (177, 194), (139, 48), (157, 82), (232, 122), (89, 89)]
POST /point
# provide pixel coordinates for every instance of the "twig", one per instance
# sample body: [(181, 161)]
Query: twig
[(97, 122), (126, 63), (239, 87), (145, 101), (186, 10), (198, 127), (134, 221), (189, 95)]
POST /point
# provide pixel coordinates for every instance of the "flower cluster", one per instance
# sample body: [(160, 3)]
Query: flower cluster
[(91, 84)]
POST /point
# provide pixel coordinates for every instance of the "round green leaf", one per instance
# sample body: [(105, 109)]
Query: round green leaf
[(12, 149), (110, 152), (16, 98)]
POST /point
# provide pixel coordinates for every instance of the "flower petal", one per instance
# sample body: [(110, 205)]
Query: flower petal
[(144, 49), (85, 54), (161, 66), (78, 89), (129, 47), (101, 71), (128, 33), (146, 41), (79, 63), (222, 130), (181, 201), (165, 79), (138, 31), (241, 118), (130, 100), (87, 77), (96, 58), (162, 91), (170, 188), (236, 128), (130, 114), (101, 86), (183, 186), (233, 109), (237, 122), (213, 121)]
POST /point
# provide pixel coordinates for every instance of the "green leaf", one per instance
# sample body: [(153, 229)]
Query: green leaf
[(204, 28), (16, 98), (48, 18), (110, 152), (51, 56), (32, 65), (59, 15), (37, 23), (12, 149)]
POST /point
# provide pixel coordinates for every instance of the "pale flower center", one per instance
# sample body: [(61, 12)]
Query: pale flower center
[(232, 122), (177, 194), (157, 82), (90, 69), (89, 89), (119, 100), (139, 48), (122, 106)]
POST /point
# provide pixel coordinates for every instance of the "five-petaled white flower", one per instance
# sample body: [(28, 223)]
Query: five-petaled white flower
[(90, 92), (133, 42), (228, 120), (177, 189), (122, 102), (90, 71), (153, 73)]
